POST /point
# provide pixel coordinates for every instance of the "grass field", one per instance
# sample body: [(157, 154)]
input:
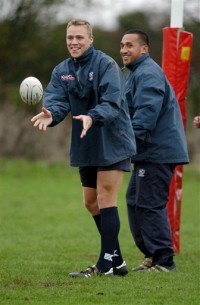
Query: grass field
[(46, 233)]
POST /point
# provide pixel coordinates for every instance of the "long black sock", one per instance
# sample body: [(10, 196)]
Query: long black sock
[(97, 219), (110, 225), (117, 258)]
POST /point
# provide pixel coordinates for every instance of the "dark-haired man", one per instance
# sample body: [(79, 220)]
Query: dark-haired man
[(161, 145)]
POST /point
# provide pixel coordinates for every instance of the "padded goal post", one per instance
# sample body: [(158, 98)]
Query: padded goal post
[(176, 58)]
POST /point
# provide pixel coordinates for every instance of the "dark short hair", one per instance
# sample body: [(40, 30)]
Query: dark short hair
[(144, 38)]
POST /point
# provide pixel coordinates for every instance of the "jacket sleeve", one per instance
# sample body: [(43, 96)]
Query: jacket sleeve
[(109, 94), (56, 99), (148, 101)]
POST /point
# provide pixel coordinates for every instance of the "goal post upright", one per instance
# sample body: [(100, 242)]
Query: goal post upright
[(176, 58)]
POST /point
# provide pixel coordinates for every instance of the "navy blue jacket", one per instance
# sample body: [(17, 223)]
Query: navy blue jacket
[(155, 114), (92, 85)]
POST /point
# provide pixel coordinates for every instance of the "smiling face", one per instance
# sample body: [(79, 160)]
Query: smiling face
[(78, 40), (131, 48)]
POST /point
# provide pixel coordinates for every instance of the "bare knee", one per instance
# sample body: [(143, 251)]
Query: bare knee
[(92, 207), (106, 199), (108, 184), (90, 200)]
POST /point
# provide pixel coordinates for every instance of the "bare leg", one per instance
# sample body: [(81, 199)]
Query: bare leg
[(108, 184)]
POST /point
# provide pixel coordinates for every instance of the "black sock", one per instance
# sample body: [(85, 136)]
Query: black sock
[(117, 258), (110, 225), (97, 219)]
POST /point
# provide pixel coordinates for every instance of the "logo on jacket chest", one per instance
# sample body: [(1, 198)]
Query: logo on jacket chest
[(71, 77), (67, 77), (91, 75)]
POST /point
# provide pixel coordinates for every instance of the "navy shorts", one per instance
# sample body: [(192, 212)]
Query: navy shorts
[(88, 174)]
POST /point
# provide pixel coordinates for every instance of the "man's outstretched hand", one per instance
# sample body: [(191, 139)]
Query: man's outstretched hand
[(87, 123), (43, 119)]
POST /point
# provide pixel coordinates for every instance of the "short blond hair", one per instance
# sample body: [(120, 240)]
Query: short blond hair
[(81, 22)]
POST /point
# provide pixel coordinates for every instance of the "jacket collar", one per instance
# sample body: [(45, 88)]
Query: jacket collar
[(137, 62), (84, 57)]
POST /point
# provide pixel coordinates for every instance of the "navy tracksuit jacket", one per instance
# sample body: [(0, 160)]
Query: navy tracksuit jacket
[(92, 85)]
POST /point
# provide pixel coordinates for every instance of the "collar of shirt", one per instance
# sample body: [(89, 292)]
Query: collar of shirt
[(83, 58), (137, 62)]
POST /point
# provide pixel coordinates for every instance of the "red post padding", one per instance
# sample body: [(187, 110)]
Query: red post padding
[(176, 58)]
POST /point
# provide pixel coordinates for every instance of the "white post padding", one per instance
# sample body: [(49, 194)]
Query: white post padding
[(176, 14)]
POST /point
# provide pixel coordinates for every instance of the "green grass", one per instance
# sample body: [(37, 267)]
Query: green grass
[(45, 233)]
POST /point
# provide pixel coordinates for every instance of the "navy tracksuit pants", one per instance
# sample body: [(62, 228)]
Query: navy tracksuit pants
[(147, 197)]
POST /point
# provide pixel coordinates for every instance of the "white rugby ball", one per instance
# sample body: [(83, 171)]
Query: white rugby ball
[(31, 90)]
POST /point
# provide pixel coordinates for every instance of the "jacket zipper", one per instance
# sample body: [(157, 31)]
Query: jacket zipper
[(77, 70)]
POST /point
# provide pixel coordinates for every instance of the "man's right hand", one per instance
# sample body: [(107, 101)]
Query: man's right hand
[(43, 119)]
